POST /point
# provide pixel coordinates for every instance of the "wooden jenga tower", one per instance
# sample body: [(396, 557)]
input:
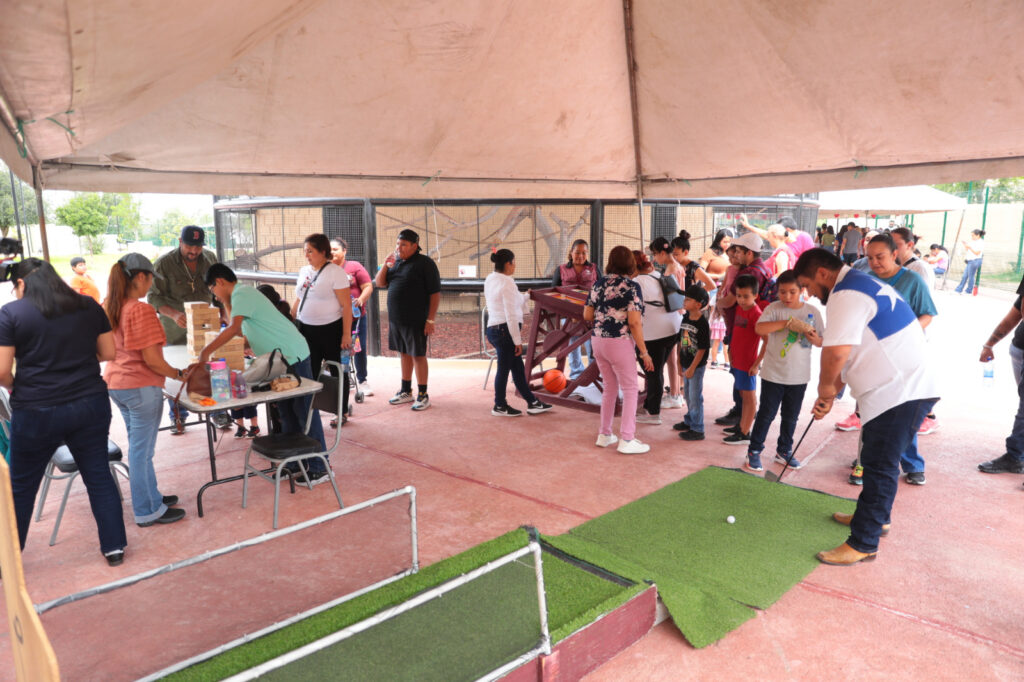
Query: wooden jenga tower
[(200, 318), (233, 351)]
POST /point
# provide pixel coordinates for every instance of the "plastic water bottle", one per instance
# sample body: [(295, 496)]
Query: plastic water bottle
[(804, 341), (988, 375), (220, 380), (345, 359), (239, 387)]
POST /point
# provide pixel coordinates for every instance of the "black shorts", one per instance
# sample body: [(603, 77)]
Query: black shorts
[(407, 339)]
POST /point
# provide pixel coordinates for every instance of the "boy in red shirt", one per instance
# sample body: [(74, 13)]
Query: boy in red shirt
[(745, 357)]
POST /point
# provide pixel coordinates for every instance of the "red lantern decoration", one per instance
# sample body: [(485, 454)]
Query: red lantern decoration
[(836, 215), (856, 215), (728, 216), (874, 215)]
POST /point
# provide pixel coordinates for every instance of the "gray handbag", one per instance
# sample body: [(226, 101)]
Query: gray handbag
[(265, 368)]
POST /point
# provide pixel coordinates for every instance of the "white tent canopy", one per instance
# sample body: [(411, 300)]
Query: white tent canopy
[(510, 98), (889, 201)]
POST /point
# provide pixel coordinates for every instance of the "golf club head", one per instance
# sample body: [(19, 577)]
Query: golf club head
[(771, 476)]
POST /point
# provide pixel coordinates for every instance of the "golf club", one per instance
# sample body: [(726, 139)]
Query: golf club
[(771, 475)]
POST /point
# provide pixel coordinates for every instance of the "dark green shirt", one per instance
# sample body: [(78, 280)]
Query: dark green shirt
[(177, 285)]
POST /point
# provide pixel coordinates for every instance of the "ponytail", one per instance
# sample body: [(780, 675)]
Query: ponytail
[(118, 284)]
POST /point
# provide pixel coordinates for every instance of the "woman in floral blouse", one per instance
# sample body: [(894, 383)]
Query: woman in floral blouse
[(615, 306)]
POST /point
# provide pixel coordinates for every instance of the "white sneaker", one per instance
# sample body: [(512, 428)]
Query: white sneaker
[(401, 398), (604, 441), (422, 402), (672, 403), (646, 418), (365, 388), (633, 447)]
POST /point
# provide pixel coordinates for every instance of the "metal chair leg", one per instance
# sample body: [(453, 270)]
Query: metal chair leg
[(60, 512), (487, 377), (334, 484), (47, 477)]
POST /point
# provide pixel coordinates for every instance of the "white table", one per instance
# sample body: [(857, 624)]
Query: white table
[(177, 356)]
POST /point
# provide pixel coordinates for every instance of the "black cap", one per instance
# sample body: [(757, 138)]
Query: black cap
[(193, 236), (697, 293), (410, 236)]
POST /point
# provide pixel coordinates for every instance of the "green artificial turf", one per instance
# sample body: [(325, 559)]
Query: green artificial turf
[(480, 624), (709, 572)]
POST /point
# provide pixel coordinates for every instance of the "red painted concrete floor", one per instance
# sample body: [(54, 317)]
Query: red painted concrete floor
[(941, 602)]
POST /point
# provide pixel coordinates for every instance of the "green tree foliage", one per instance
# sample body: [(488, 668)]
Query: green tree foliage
[(167, 228), (123, 216), (1002, 190), (87, 216), (26, 197)]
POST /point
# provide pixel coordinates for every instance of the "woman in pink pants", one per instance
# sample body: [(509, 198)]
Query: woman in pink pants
[(615, 306)]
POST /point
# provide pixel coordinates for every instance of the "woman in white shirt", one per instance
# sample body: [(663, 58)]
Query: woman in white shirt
[(974, 250), (323, 308), (661, 332), (504, 324)]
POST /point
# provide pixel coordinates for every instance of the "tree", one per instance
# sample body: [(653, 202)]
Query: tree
[(123, 216), (167, 228), (87, 217), (26, 197), (1003, 190)]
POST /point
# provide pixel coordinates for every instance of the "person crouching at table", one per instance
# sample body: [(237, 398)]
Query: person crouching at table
[(615, 306), (255, 317), (135, 378)]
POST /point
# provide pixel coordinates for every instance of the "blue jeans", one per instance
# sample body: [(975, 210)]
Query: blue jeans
[(884, 438), (294, 411), (182, 412), (82, 425), (576, 366), (970, 271), (508, 361), (141, 408), (693, 391), (774, 396), (360, 357), (1015, 441)]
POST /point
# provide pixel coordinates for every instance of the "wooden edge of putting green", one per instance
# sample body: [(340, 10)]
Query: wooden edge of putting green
[(575, 597)]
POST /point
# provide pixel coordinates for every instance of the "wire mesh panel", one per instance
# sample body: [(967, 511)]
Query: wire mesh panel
[(463, 630), (347, 222), (198, 605)]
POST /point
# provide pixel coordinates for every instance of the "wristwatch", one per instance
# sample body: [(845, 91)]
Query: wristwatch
[(180, 374)]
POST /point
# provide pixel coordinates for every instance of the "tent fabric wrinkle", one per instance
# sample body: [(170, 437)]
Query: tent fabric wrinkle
[(511, 98)]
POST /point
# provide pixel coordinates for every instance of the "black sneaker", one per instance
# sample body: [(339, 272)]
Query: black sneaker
[(916, 478), (1004, 464), (170, 516), (114, 558), (254, 432), (223, 421), (681, 426), (241, 432), (537, 407), (738, 438), (170, 500), (731, 429), (691, 435), (729, 418), (505, 411)]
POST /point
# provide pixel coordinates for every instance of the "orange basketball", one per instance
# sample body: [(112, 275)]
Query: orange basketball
[(554, 381)]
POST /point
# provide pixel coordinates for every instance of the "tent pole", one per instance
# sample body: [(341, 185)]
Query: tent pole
[(38, 185), (956, 241), (1020, 244), (627, 12), (14, 202), (945, 214)]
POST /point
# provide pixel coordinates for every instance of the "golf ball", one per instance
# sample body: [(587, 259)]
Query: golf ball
[(730, 519)]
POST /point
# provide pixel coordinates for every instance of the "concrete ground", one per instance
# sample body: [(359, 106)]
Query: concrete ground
[(941, 602)]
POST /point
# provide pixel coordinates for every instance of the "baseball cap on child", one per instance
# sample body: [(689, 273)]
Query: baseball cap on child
[(697, 293)]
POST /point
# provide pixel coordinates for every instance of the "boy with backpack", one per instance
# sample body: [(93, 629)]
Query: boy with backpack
[(790, 327)]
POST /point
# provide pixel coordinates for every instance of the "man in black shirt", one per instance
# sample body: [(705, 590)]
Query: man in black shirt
[(1012, 462), (414, 293)]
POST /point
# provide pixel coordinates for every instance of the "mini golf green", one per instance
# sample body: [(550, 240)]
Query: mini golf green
[(709, 572), (480, 625)]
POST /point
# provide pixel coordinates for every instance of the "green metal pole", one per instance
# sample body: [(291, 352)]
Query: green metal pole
[(1020, 245), (945, 215), (984, 211)]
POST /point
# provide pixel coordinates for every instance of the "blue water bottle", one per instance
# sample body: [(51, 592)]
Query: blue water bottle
[(345, 358), (988, 375), (804, 341)]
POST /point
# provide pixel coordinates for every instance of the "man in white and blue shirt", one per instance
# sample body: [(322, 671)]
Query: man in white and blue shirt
[(873, 342)]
